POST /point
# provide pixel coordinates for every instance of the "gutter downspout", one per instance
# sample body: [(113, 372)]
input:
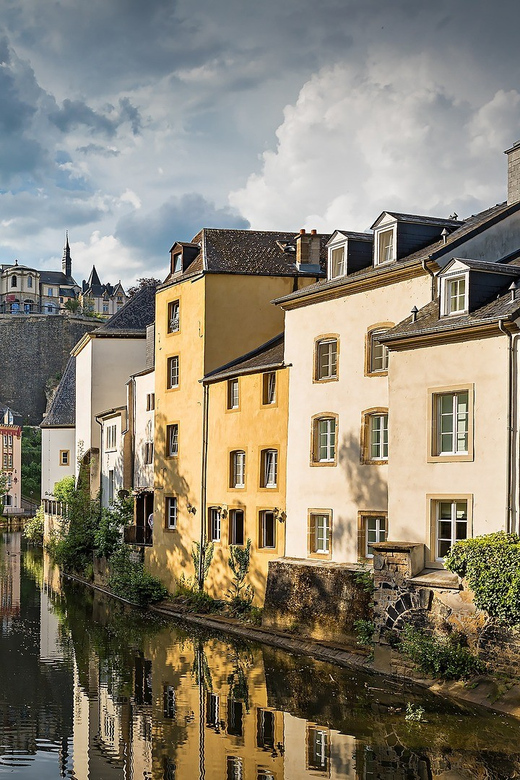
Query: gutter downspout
[(432, 276), (509, 508), (205, 411)]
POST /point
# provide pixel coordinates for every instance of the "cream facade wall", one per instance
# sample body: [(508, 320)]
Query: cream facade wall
[(144, 426), (415, 481), (347, 487), (112, 457), (314, 751), (253, 428), (54, 442)]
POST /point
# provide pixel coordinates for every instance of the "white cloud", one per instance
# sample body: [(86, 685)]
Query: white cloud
[(363, 138), (113, 261)]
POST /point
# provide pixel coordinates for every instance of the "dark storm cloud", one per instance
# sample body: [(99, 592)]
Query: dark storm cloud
[(103, 151), (74, 113), (179, 219)]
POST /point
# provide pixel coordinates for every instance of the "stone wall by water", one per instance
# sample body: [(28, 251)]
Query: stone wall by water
[(33, 349), (321, 600)]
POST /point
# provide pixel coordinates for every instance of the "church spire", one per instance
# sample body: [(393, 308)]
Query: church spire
[(66, 263)]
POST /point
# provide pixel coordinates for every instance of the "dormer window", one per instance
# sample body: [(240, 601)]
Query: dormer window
[(337, 262), (177, 263), (455, 295), (385, 246)]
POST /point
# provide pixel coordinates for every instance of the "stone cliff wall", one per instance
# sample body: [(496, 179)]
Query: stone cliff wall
[(33, 349)]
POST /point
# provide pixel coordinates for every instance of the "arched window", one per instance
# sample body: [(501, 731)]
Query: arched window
[(29, 281), (14, 281)]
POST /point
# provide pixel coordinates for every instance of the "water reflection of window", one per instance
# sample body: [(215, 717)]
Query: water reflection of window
[(235, 768), (109, 728), (143, 681), (265, 774), (265, 729), (169, 701), (169, 769), (235, 711), (317, 748), (212, 710), (369, 764)]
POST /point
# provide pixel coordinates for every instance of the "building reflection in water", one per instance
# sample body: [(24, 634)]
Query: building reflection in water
[(10, 579)]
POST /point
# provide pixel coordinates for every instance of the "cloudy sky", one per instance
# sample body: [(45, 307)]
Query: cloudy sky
[(133, 124)]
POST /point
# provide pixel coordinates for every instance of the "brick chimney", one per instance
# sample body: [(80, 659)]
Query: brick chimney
[(308, 251), (513, 173)]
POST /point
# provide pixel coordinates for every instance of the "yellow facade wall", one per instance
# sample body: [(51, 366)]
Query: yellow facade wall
[(253, 427)]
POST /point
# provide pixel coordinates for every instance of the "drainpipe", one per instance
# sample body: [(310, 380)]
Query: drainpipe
[(509, 509), (205, 410), (432, 276)]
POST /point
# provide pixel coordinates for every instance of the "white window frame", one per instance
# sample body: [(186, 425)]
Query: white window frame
[(214, 523), (321, 540), (453, 520), (263, 529), (377, 533), (319, 749), (325, 439), (385, 253), (173, 316), (460, 298), (173, 372), (378, 436), (172, 508), (172, 442), (326, 359), (337, 265), (233, 394), (457, 418), (270, 468), (111, 437), (383, 356), (238, 466), (269, 388)]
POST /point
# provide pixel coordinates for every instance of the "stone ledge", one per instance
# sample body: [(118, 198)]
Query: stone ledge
[(317, 563), (436, 578)]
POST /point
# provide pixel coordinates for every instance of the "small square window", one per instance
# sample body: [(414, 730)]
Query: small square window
[(269, 388), (232, 394), (171, 512), (326, 366), (172, 440), (172, 377), (173, 316), (64, 457)]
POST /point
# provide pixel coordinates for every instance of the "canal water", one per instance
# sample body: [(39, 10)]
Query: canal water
[(92, 690)]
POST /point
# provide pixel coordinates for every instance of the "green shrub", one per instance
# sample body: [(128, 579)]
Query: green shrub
[(491, 566), (33, 529), (108, 536), (130, 580), (364, 631), (441, 657), (241, 595)]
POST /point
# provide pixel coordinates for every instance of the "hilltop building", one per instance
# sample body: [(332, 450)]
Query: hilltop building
[(11, 457)]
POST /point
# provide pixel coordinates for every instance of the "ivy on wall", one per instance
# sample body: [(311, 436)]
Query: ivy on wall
[(491, 566)]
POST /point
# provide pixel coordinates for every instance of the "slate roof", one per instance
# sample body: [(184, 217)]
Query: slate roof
[(419, 219), (134, 316), (355, 236), (56, 278), (475, 223), (256, 252), (62, 411), (484, 265), (267, 356), (17, 417)]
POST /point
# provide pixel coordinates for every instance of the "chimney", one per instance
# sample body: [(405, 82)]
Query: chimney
[(308, 250), (513, 173)]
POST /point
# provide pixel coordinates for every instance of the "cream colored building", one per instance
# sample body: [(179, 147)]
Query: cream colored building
[(342, 430), (114, 465)]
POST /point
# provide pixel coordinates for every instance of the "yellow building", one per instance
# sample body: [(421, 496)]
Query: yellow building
[(246, 456), (213, 308)]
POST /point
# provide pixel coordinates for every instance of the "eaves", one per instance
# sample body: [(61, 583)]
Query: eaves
[(475, 331)]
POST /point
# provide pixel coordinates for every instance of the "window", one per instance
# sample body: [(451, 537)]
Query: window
[(337, 262), (173, 316), (451, 423), (10, 460), (455, 295), (269, 388), (269, 466), (385, 246), (169, 701), (172, 440), (451, 525), (375, 532), (110, 437), (326, 359), (235, 715), (377, 358), (172, 378), (232, 394), (150, 402), (214, 523), (236, 526), (171, 512), (29, 281), (238, 469), (64, 457), (14, 281), (5, 439), (267, 529), (317, 748), (213, 710), (50, 291), (105, 308), (10, 439), (319, 533), (177, 263), (148, 453), (324, 445), (265, 729), (378, 431)]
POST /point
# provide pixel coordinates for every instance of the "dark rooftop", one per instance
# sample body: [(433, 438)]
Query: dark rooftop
[(265, 357), (62, 411), (419, 219), (135, 315)]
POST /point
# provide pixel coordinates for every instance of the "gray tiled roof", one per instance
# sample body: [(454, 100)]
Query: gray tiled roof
[(257, 252), (62, 411), (56, 277), (264, 357), (419, 219), (484, 265), (474, 223), (369, 237), (135, 315)]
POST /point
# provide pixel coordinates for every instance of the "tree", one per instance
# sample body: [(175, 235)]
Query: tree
[(140, 283), (72, 305)]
